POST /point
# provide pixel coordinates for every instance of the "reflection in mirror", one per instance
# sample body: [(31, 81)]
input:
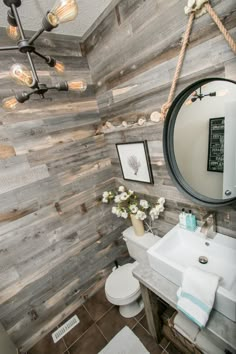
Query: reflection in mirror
[(205, 140)]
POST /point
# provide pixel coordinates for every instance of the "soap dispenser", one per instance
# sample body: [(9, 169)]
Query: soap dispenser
[(182, 219), (191, 221)]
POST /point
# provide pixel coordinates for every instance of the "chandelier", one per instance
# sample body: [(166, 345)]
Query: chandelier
[(199, 96), (62, 11)]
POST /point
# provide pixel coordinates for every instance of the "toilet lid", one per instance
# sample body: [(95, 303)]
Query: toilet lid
[(121, 282)]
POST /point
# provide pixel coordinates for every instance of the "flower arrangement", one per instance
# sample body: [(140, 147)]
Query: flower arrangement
[(127, 203)]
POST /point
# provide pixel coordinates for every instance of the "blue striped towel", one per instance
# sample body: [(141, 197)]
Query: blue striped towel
[(197, 295)]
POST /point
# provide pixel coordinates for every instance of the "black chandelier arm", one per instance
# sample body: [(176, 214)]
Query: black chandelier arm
[(41, 55), (34, 72), (36, 35), (60, 86), (46, 26), (48, 59), (8, 48), (51, 61), (18, 21)]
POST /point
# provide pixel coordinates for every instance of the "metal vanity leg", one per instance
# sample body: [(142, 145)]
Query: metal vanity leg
[(152, 313)]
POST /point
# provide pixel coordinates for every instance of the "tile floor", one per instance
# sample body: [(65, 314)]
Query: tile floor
[(99, 323)]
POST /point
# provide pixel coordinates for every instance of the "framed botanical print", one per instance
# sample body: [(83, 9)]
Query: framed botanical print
[(135, 161)]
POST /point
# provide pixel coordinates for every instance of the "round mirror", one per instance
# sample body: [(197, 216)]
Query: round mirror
[(200, 141)]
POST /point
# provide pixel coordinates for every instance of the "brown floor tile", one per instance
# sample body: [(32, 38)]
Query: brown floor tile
[(149, 343), (46, 346), (98, 305), (90, 343), (164, 342), (113, 322), (85, 322), (140, 315), (172, 350), (144, 323)]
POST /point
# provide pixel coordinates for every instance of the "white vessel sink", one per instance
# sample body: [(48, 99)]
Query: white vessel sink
[(180, 249)]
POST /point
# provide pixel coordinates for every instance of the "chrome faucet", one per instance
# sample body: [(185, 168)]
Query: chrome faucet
[(209, 226)]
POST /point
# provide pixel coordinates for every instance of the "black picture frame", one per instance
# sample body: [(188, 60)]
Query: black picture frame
[(146, 175), (212, 164)]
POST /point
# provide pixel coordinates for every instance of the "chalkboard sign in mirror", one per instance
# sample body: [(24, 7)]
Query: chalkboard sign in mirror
[(216, 145), (200, 141)]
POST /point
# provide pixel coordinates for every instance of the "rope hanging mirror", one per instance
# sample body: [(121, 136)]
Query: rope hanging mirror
[(194, 9)]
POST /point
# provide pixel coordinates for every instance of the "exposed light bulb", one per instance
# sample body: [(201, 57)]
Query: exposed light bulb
[(59, 67), (64, 10), (21, 74), (222, 93), (13, 32), (188, 102), (9, 103), (77, 85)]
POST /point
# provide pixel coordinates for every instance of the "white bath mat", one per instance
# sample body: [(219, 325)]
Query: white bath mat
[(125, 342)]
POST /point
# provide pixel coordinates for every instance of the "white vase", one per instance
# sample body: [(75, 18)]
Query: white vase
[(137, 225)]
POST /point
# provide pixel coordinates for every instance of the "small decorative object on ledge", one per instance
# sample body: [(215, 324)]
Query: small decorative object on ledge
[(128, 204), (63, 11)]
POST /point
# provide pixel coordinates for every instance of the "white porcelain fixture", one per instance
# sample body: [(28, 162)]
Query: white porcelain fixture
[(121, 287), (180, 249)]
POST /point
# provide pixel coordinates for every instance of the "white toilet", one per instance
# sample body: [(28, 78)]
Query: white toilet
[(121, 287)]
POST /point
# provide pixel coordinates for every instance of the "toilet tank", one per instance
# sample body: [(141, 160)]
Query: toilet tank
[(138, 245)]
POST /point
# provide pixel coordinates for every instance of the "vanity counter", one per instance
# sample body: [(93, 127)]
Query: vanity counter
[(219, 328)]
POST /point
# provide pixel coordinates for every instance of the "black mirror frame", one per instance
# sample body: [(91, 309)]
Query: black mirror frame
[(168, 148)]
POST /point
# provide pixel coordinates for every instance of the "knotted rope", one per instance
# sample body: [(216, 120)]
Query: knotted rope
[(221, 27), (223, 30), (179, 66)]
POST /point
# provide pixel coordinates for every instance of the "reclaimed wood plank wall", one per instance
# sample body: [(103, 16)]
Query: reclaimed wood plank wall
[(49, 153), (132, 55)]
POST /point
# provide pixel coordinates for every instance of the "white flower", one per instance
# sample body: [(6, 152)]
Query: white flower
[(124, 196), (104, 200), (144, 204), (118, 213), (161, 201), (114, 210), (117, 199), (121, 189), (124, 214), (133, 208), (105, 195), (130, 192), (154, 213), (160, 208), (140, 215)]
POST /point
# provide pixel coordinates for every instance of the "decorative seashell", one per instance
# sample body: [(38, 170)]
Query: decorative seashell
[(109, 125), (99, 130), (155, 117), (141, 121), (124, 124)]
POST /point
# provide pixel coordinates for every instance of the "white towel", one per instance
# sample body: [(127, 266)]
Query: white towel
[(186, 327), (197, 295)]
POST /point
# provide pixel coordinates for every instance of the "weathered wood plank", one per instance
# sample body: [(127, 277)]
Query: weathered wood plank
[(43, 254), (156, 46), (140, 55)]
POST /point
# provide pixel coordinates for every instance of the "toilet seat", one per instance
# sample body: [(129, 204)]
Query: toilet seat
[(121, 287)]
